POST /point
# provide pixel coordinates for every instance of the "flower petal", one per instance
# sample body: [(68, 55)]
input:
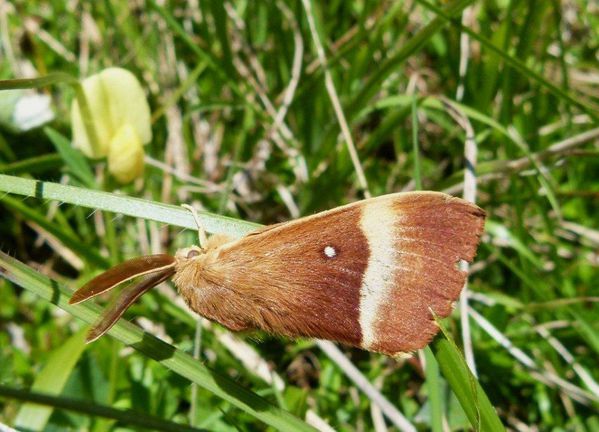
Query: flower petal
[(127, 102), (115, 98), (126, 155), (97, 101)]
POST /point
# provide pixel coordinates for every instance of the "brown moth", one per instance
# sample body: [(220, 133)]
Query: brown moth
[(368, 274)]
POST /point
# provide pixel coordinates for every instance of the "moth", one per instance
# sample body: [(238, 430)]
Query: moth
[(369, 274)]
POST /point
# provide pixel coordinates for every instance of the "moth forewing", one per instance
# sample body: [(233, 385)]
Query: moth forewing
[(369, 274), (365, 274), (416, 271)]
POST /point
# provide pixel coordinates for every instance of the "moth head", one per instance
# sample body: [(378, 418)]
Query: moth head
[(189, 253), (197, 252)]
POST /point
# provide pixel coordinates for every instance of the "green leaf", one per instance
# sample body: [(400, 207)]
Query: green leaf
[(413, 45), (74, 160), (465, 386), (27, 83), (51, 380), (67, 238), (169, 356), (433, 386), (502, 233), (220, 20), (514, 62), (586, 330), (130, 206), (125, 417), (34, 164)]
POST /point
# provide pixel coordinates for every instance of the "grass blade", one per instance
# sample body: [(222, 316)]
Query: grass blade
[(73, 159), (124, 417), (68, 239), (412, 46), (136, 207), (471, 395), (51, 380), (433, 386), (169, 356), (514, 62)]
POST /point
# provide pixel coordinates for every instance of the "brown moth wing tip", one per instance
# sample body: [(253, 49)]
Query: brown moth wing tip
[(115, 310), (96, 331)]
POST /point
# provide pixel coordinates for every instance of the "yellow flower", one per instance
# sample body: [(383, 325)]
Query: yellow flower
[(121, 118), (125, 154)]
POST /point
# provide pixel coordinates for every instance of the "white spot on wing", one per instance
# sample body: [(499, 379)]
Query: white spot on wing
[(330, 252), (377, 225)]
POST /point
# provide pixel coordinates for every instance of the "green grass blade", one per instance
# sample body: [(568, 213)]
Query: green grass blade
[(415, 144), (433, 386), (67, 238), (27, 83), (124, 417), (51, 380), (514, 62), (413, 45), (129, 206), (47, 162), (586, 330), (502, 232), (220, 20), (465, 386), (74, 160), (203, 54), (169, 356)]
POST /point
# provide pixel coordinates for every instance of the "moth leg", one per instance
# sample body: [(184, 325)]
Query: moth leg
[(202, 239)]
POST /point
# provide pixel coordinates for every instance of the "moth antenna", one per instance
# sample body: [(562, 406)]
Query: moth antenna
[(202, 238), (122, 273), (121, 303)]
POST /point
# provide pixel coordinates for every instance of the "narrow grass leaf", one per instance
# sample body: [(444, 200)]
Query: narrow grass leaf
[(433, 386), (198, 49), (465, 386), (124, 417), (169, 356), (32, 165), (412, 46), (217, 8), (415, 145), (28, 83), (75, 244), (73, 159), (502, 233), (136, 207), (586, 330), (515, 62), (51, 380)]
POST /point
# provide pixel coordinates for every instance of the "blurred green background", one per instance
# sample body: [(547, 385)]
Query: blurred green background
[(250, 120)]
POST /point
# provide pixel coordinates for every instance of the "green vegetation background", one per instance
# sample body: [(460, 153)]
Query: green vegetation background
[(416, 81)]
